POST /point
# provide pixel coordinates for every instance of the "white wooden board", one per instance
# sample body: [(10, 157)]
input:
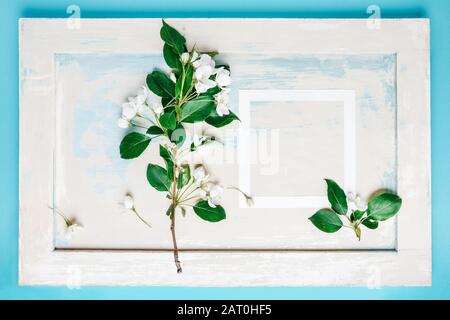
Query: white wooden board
[(357, 101)]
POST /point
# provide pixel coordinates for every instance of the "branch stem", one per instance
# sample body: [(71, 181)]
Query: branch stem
[(172, 224), (141, 218)]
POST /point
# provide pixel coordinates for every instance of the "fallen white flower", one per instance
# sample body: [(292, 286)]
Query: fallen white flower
[(71, 229), (128, 202)]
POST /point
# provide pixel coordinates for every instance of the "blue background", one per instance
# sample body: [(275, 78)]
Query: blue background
[(437, 10)]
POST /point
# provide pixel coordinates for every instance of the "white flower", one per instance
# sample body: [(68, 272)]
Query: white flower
[(204, 69), (138, 106), (216, 191), (200, 175), (223, 78), (212, 194), (205, 60), (185, 57), (129, 110), (355, 202), (204, 191), (158, 109), (154, 102), (203, 86), (135, 105), (172, 77), (128, 202), (172, 147), (198, 140), (141, 98), (215, 194), (181, 165), (123, 123), (195, 56), (222, 100), (71, 229), (201, 75)]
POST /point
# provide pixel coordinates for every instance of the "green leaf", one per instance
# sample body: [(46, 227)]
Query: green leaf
[(178, 136), (358, 233), (155, 130), (384, 206), (225, 66), (169, 211), (212, 91), (356, 215), (165, 101), (170, 56), (208, 139), (164, 153), (168, 120), (180, 180), (204, 211), (183, 211), (184, 81), (217, 121), (173, 38), (169, 109), (133, 144), (186, 175), (183, 177), (326, 220), (197, 109), (369, 223), (158, 178), (160, 84), (212, 54), (337, 197), (188, 79)]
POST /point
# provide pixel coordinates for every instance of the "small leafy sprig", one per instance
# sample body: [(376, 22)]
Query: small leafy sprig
[(356, 213), (195, 91)]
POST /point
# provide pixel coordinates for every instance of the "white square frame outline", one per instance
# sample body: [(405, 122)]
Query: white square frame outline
[(246, 97), (408, 265)]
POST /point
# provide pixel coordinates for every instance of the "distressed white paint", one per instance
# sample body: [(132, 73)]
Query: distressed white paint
[(409, 264), (91, 179)]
